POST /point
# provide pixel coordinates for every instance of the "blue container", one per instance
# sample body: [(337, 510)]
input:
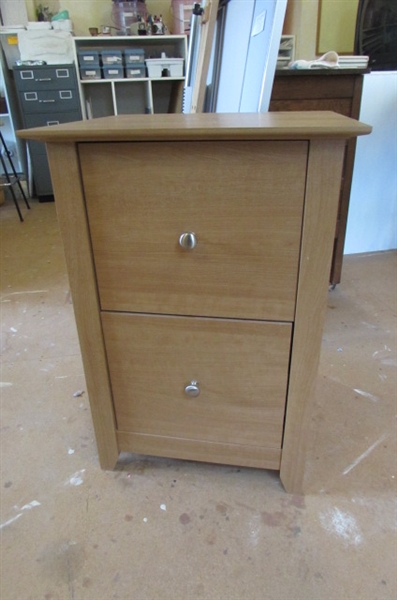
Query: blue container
[(92, 72), (88, 58), (113, 71), (135, 71), (111, 57), (134, 56)]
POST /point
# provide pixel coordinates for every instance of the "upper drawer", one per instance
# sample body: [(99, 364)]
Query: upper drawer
[(49, 101), (48, 78), (242, 200)]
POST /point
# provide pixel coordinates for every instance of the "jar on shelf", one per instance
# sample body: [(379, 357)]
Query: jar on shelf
[(126, 14)]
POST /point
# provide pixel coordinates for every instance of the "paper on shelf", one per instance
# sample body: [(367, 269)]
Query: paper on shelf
[(53, 47)]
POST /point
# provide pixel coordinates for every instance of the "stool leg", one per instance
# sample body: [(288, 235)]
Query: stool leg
[(9, 182)]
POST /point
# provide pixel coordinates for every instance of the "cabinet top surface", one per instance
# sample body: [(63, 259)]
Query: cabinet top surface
[(207, 126)]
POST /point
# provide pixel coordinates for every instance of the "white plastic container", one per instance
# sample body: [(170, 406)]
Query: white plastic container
[(164, 67)]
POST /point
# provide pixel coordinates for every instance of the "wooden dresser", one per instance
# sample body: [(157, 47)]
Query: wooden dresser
[(338, 90), (198, 249)]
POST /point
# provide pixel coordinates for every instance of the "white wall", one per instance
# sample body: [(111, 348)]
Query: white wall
[(372, 222)]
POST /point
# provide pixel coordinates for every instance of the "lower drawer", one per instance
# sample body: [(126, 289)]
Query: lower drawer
[(240, 369)]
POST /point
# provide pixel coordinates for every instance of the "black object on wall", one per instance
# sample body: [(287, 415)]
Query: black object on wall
[(376, 33)]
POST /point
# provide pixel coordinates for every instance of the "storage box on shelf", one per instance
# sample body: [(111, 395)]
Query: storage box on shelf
[(130, 75), (182, 11)]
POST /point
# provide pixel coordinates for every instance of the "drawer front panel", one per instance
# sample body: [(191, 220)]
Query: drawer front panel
[(49, 101), (342, 106), (244, 203), (313, 86), (48, 78), (241, 370)]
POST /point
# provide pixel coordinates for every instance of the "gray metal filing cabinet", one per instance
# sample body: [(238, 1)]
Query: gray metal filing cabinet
[(48, 95)]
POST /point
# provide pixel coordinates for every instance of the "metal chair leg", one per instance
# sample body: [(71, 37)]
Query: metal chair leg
[(11, 183)]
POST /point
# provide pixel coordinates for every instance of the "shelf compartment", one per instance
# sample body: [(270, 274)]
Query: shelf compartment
[(98, 100), (132, 97), (167, 95)]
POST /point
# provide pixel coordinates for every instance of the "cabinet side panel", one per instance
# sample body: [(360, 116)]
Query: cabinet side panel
[(65, 173), (321, 204)]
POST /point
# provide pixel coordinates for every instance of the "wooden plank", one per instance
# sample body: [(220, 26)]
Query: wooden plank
[(69, 198), (228, 454), (208, 23), (321, 205)]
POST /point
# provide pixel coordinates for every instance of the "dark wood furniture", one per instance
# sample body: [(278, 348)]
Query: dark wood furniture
[(337, 90)]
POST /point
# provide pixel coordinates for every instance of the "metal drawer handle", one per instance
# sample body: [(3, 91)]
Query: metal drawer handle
[(188, 240), (46, 101), (44, 79), (192, 389)]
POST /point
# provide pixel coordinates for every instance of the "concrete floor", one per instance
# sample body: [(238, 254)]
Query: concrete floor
[(174, 530)]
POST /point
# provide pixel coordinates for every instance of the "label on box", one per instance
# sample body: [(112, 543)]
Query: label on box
[(12, 40)]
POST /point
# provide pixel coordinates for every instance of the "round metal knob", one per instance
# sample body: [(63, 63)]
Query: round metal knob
[(188, 240), (192, 389)]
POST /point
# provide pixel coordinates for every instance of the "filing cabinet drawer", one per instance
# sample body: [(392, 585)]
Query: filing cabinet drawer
[(238, 368), (40, 78), (243, 203), (49, 101), (42, 120)]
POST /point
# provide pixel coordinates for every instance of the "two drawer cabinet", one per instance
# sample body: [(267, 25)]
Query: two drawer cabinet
[(198, 249), (48, 95)]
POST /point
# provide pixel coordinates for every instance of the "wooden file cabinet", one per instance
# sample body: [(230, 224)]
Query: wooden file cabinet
[(198, 248)]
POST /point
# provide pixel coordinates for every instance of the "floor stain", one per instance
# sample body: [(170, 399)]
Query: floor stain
[(184, 519), (273, 519)]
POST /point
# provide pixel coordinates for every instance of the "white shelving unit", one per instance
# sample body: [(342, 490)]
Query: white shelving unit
[(286, 52), (7, 119), (107, 97)]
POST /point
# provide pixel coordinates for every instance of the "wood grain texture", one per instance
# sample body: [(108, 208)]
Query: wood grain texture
[(244, 203), (227, 454), (304, 86), (339, 105), (321, 204), (241, 368), (203, 126), (65, 174)]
